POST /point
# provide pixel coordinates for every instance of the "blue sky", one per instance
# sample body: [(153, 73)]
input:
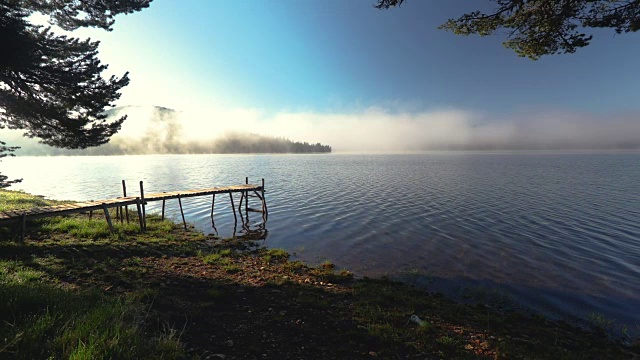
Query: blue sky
[(343, 73), (335, 55)]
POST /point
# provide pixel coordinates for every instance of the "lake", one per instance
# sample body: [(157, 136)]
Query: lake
[(557, 232)]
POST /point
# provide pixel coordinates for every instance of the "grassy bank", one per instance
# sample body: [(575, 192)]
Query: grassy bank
[(73, 290)]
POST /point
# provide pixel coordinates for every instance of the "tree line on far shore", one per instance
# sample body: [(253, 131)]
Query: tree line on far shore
[(236, 143), (253, 143)]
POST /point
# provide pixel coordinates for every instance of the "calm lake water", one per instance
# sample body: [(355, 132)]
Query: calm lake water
[(558, 232)]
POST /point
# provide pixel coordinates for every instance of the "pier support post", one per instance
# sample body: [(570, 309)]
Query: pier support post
[(106, 214), (243, 196), (23, 226), (246, 198), (265, 211), (124, 193), (182, 212), (213, 202), (235, 217), (144, 211), (162, 210), (235, 229), (140, 215)]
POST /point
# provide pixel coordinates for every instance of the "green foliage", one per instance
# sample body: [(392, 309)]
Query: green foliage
[(51, 85), (385, 4), (71, 15), (4, 152), (541, 27)]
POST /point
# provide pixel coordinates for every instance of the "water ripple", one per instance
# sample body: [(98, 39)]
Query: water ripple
[(559, 231)]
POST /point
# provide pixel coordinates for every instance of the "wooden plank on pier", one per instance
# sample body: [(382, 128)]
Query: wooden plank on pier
[(201, 192), (64, 209), (139, 202)]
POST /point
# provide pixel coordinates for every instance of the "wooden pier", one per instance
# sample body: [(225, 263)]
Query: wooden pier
[(121, 204)]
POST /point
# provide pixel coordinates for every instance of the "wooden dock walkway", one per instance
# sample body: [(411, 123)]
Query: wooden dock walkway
[(121, 204)]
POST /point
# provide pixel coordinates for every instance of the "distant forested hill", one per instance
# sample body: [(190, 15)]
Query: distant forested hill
[(252, 143), (159, 130), (229, 144)]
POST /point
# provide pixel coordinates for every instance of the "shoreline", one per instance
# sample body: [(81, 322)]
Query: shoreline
[(604, 151), (234, 298)]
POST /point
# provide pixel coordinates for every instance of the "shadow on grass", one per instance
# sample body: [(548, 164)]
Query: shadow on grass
[(220, 315), (43, 320)]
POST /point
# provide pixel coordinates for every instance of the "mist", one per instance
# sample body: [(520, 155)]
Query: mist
[(158, 130)]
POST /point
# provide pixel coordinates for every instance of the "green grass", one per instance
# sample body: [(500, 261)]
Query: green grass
[(231, 268), (19, 200), (225, 252), (275, 254), (449, 341), (327, 264), (294, 266), (221, 257), (43, 320), (81, 227)]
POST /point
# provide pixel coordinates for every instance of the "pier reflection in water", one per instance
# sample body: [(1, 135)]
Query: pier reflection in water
[(248, 231)]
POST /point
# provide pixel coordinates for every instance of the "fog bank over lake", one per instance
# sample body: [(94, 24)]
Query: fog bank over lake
[(159, 130)]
